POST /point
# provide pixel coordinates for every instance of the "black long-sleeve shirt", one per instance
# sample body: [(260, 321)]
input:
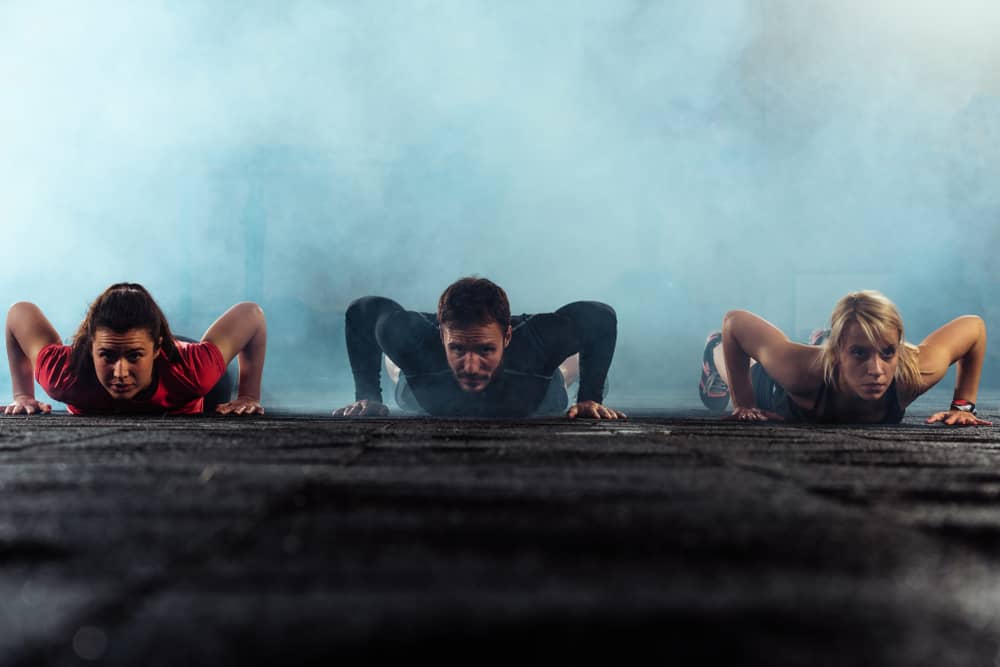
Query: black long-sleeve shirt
[(539, 344)]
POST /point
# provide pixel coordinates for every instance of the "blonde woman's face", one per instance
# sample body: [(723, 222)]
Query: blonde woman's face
[(866, 369)]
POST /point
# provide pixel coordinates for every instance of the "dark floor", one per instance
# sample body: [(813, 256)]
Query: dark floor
[(279, 540)]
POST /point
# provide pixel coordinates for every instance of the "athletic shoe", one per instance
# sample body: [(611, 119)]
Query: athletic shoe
[(818, 336), (712, 389)]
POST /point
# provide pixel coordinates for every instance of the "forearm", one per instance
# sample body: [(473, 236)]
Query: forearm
[(737, 361), (22, 373), (251, 363), (597, 330), (969, 366), (363, 350)]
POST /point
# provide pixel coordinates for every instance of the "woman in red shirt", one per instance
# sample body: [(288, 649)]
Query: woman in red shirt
[(124, 358)]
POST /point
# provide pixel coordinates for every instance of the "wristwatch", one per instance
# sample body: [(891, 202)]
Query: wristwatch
[(963, 405)]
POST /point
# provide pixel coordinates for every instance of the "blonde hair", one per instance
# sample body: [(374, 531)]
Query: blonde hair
[(879, 320)]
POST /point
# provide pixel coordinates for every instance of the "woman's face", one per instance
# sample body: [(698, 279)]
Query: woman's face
[(866, 369), (124, 361)]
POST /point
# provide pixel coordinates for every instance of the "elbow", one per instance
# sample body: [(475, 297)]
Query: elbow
[(731, 318), (604, 319), (607, 311), (980, 324), (974, 323), (19, 310), (598, 312), (252, 308), (606, 314), (356, 307), (21, 305), (251, 312), (359, 308)]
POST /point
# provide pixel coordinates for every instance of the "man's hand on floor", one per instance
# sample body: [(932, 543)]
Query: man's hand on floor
[(594, 410)]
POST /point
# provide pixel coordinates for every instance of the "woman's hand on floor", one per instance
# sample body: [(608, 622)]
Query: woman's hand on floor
[(363, 408), (753, 415), (957, 418), (243, 405), (26, 405)]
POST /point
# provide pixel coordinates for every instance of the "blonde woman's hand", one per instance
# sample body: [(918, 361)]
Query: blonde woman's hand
[(957, 418)]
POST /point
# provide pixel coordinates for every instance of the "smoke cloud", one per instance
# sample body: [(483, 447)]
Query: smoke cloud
[(674, 159)]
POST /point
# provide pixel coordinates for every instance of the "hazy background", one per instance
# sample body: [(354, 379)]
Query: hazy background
[(675, 159)]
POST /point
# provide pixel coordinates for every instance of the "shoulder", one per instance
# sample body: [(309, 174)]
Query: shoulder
[(538, 320), (203, 352), (55, 352), (797, 368), (927, 367), (52, 367), (542, 327), (589, 312), (201, 364)]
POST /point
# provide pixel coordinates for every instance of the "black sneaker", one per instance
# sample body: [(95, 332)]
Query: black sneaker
[(818, 336), (712, 390)]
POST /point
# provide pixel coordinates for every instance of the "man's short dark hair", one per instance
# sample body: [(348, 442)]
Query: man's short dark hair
[(473, 301)]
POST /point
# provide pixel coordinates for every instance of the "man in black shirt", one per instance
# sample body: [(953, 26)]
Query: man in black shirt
[(474, 360)]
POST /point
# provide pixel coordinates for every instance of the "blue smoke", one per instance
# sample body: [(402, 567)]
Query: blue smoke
[(675, 159)]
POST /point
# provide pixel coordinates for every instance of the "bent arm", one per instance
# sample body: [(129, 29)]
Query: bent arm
[(746, 336), (596, 326), (363, 350), (961, 341), (242, 331), (28, 331)]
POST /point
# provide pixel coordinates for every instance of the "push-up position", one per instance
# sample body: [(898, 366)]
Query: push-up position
[(474, 359), (862, 370), (124, 359)]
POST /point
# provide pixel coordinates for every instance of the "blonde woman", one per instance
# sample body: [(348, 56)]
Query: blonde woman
[(862, 370)]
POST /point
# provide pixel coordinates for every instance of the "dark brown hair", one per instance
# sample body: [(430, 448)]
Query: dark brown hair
[(471, 301), (121, 307)]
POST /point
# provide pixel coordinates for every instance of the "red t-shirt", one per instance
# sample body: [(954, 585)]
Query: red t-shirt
[(180, 387)]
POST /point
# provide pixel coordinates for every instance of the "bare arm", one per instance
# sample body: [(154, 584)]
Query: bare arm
[(28, 331), (242, 331), (746, 336), (961, 341)]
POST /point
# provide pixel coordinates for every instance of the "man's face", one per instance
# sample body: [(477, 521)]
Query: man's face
[(124, 361), (866, 369), (474, 353)]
